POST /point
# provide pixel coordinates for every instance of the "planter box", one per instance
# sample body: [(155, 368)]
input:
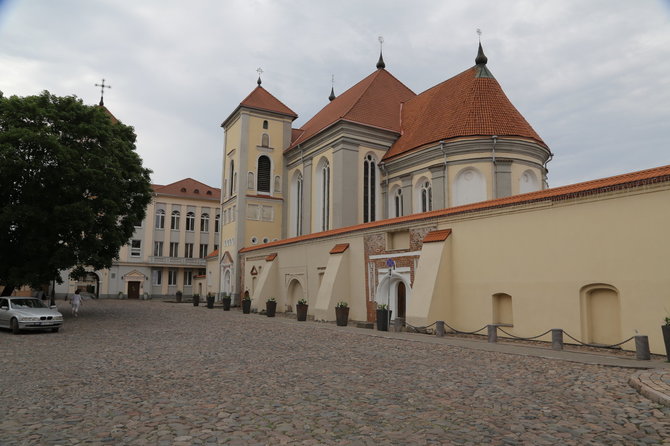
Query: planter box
[(196, 301), (342, 316), (383, 317), (301, 310), (246, 306), (210, 301), (666, 339), (226, 303), (271, 308)]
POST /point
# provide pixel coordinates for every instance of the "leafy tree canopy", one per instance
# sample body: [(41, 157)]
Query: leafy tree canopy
[(72, 187)]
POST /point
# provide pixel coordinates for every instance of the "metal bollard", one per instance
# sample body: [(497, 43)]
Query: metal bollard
[(439, 329), (557, 338), (642, 348), (493, 333)]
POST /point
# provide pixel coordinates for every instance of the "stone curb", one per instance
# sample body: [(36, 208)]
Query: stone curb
[(650, 384)]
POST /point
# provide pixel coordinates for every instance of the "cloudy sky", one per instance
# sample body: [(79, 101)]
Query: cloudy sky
[(592, 77)]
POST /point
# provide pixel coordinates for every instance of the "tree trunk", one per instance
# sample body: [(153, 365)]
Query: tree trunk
[(7, 291)]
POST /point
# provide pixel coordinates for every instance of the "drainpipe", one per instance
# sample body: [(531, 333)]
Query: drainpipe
[(546, 170), (493, 159)]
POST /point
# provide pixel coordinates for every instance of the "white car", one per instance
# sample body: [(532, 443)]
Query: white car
[(28, 313)]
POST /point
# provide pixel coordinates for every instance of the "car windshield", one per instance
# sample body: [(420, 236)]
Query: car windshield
[(27, 303)]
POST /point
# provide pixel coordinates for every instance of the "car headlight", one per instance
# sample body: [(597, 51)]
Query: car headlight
[(58, 318), (29, 319)]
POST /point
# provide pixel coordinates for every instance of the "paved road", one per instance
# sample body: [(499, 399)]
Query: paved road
[(157, 373)]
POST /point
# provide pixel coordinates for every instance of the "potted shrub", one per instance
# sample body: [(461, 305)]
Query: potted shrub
[(301, 309), (271, 307), (210, 300), (666, 336), (226, 302), (342, 313), (196, 300), (383, 316), (246, 304)]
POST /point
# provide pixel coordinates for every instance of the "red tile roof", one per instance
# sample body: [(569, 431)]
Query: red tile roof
[(339, 248), (214, 253), (188, 187), (464, 106), (374, 101), (619, 182), (260, 99), (271, 257), (437, 236)]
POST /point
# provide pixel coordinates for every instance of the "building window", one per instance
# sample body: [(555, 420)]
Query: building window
[(426, 197), (369, 189), (265, 124), (254, 240), (160, 219), (174, 249), (397, 198), (217, 223), (216, 247), (188, 278), (265, 140), (157, 277), (188, 250), (190, 221), (203, 250), (325, 196), (264, 173), (204, 223), (158, 249), (172, 277), (136, 248), (232, 177), (174, 221)]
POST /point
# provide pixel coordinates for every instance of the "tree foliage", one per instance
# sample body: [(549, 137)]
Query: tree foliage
[(72, 187)]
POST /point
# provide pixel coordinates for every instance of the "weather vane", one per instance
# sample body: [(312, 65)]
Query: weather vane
[(332, 80), (381, 42), (102, 90), (259, 70)]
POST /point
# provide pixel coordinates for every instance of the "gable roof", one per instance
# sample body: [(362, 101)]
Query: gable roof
[(188, 188), (260, 99), (374, 101), (469, 104)]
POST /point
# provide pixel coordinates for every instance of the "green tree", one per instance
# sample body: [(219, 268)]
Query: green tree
[(72, 188)]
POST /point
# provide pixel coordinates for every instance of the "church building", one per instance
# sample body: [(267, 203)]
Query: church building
[(437, 205)]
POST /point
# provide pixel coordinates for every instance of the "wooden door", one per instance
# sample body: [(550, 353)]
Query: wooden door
[(133, 290), (401, 299)]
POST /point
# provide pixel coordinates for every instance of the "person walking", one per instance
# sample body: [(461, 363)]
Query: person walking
[(76, 303)]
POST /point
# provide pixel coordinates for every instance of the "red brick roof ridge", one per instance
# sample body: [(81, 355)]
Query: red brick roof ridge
[(623, 181), (283, 109)]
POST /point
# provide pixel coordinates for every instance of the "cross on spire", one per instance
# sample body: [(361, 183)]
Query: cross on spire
[(259, 70), (380, 62), (479, 33), (102, 90)]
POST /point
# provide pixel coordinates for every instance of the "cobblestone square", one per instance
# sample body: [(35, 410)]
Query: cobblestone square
[(159, 373)]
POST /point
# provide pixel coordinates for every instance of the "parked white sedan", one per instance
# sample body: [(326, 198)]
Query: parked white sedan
[(28, 313)]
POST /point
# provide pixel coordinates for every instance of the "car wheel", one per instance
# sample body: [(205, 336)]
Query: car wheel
[(55, 329), (14, 325)]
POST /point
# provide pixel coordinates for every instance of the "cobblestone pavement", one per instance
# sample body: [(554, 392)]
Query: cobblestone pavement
[(157, 373)]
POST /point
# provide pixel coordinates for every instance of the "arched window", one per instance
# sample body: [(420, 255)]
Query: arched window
[(217, 223), (528, 182), (369, 188), (296, 203), (232, 177), (323, 202), (190, 221), (265, 140), (426, 197), (397, 203), (204, 223), (264, 173), (174, 220), (265, 124), (160, 219)]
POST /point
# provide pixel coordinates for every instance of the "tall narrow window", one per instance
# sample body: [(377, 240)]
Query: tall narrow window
[(190, 221), (264, 174), (217, 223), (298, 205), (188, 250), (160, 219), (158, 249), (426, 197), (398, 203), (174, 249), (369, 189), (232, 177), (204, 223), (188, 277), (157, 275), (174, 220), (265, 124), (172, 277), (203, 250), (136, 248), (325, 196)]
